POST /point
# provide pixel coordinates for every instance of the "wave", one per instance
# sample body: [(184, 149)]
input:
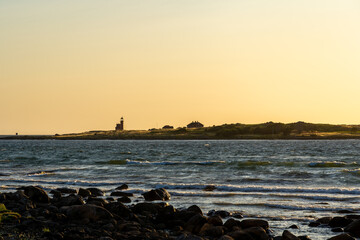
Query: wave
[(145, 162), (25, 158), (265, 189), (355, 172), (40, 173), (331, 164), (288, 207), (252, 163)]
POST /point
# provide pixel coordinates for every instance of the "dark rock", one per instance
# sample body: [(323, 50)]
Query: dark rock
[(345, 211), (324, 220), (215, 220), (353, 228), (124, 200), (343, 236), (122, 187), (144, 208), (69, 201), (237, 215), (289, 236), (212, 231), (56, 194), (195, 208), (230, 223), (294, 226), (337, 229), (96, 201), (240, 235), (339, 222), (121, 194), (314, 224), (248, 223), (221, 213), (353, 216), (119, 209), (157, 194), (195, 223), (304, 237), (86, 213), (96, 192), (84, 192), (187, 236), (209, 188), (36, 194), (257, 233), (226, 237), (66, 190)]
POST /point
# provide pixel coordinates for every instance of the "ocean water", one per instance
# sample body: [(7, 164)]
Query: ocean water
[(285, 182)]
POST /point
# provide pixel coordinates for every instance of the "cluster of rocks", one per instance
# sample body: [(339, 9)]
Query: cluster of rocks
[(87, 214)]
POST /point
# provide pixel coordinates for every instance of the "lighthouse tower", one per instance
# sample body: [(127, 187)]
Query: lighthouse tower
[(120, 126)]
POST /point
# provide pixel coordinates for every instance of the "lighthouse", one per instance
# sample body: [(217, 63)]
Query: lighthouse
[(120, 126)]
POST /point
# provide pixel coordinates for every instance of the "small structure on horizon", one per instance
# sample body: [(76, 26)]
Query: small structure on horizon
[(195, 124), (168, 127), (120, 126)]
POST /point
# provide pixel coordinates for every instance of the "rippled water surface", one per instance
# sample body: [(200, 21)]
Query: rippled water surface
[(286, 182)]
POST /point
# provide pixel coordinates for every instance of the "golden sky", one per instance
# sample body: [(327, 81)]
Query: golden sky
[(72, 66)]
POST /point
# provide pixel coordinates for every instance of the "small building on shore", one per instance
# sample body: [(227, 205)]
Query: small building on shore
[(120, 126), (167, 127), (195, 124)]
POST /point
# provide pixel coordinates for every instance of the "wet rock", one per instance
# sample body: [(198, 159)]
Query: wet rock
[(289, 236), (248, 223), (345, 211), (96, 201), (294, 226), (119, 209), (343, 236), (157, 194), (240, 235), (353, 216), (187, 236), (86, 213), (122, 187), (324, 220), (226, 237), (96, 192), (237, 215), (69, 201), (215, 220), (195, 223), (339, 222), (84, 192), (337, 229), (223, 214), (195, 208), (124, 200), (209, 188), (314, 224), (304, 237), (257, 233), (212, 231), (353, 228), (36, 194), (66, 190), (146, 208), (230, 223), (121, 194)]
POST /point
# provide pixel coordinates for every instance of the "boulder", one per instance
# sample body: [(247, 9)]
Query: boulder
[(36, 194), (240, 235), (145, 208), (119, 209), (195, 223), (324, 220), (248, 223), (230, 223), (212, 231), (96, 192), (294, 226), (339, 222), (122, 187), (215, 220), (343, 236), (157, 194), (124, 199), (84, 192), (66, 190), (353, 228), (209, 188), (121, 194), (86, 213), (257, 233), (195, 208), (225, 237), (289, 236), (69, 201)]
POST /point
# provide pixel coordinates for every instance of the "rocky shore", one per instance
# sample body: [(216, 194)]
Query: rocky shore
[(32, 213)]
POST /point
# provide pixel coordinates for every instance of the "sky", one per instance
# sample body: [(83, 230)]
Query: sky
[(73, 66)]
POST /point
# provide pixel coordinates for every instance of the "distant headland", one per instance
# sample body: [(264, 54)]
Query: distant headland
[(196, 130)]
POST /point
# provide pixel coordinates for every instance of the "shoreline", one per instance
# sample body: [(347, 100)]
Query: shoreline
[(67, 213)]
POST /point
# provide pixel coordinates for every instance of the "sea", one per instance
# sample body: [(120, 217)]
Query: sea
[(285, 182)]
